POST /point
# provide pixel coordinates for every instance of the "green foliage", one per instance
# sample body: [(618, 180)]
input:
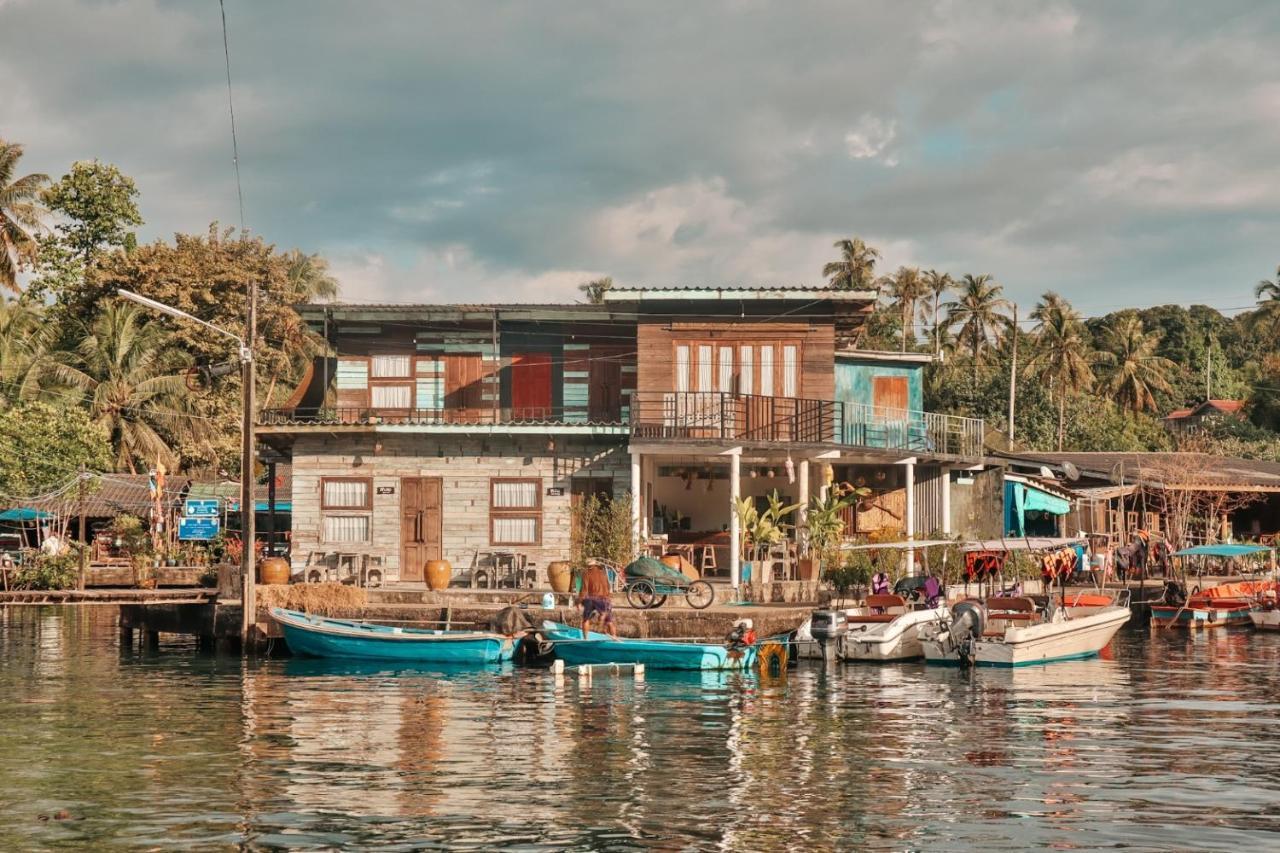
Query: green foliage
[(61, 571), (856, 269), (596, 289), (20, 215), (43, 446), (603, 530), (132, 534), (97, 204), (761, 529), (855, 572)]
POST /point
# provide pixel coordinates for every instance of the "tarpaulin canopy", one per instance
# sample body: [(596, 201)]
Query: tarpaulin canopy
[(1222, 551), (1022, 498), (23, 513)]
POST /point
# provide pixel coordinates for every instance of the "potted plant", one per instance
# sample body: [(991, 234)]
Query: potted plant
[(762, 529), (825, 523)]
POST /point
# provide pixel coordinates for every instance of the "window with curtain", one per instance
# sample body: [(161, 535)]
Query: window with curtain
[(391, 396), (515, 511), (682, 368), (343, 529), (789, 371), (390, 366), (704, 367), (766, 371), (345, 493), (765, 368), (725, 383), (746, 360)]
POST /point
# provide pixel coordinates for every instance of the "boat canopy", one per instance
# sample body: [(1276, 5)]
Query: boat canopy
[(1025, 543), (1222, 551), (1021, 498), (897, 546)]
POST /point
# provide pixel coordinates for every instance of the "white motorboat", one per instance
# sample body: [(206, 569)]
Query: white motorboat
[(1013, 632), (1265, 618), (886, 628)]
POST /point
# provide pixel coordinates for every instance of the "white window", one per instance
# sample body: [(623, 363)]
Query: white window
[(391, 396), (788, 371), (389, 366), (339, 529), (344, 493), (726, 370), (682, 368), (515, 511), (515, 530), (515, 494), (704, 367), (746, 358), (766, 371)]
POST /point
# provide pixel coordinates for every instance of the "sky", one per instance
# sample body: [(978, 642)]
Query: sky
[(1118, 153)]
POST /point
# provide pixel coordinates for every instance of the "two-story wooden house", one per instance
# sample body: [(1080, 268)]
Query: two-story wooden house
[(461, 431)]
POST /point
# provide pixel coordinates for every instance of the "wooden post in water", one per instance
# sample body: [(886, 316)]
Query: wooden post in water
[(84, 538)]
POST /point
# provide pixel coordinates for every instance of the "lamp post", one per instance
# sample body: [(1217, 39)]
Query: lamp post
[(248, 605)]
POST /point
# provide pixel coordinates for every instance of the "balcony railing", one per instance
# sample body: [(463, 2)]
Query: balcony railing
[(746, 417), (366, 416)]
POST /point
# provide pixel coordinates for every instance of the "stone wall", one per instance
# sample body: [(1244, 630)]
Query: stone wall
[(465, 465)]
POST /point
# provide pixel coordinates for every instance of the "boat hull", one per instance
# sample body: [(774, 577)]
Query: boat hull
[(571, 648), (1047, 642), (1265, 620), (1199, 617), (330, 638), (876, 642)]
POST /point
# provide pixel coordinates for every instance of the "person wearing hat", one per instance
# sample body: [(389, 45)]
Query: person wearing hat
[(596, 600)]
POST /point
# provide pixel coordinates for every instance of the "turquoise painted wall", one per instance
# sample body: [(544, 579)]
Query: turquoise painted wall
[(854, 375)]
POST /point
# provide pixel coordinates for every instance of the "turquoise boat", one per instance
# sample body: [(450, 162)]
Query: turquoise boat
[(319, 637), (571, 648)]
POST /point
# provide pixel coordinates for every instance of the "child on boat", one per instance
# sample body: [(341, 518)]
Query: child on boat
[(596, 601)]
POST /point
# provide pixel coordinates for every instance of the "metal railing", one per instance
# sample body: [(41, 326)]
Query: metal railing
[(747, 417), (477, 416)]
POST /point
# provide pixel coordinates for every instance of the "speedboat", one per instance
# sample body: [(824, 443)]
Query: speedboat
[(885, 629), (1015, 632), (317, 636), (576, 650)]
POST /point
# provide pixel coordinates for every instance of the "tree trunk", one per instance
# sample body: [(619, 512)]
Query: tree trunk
[(1062, 418)]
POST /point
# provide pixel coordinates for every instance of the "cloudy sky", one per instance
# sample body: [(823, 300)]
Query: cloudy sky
[(1121, 153)]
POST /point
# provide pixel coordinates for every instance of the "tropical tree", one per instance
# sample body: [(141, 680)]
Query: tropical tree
[(95, 202), (20, 215), (123, 371), (309, 277), (25, 339), (939, 284), (977, 311), (1133, 371), (1266, 320), (905, 288), (1060, 359), (856, 269), (596, 289)]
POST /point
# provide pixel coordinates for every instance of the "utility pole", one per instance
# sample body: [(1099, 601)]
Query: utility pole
[(1013, 374), (248, 377), (84, 539), (1208, 370)]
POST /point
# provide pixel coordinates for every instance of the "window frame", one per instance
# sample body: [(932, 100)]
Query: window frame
[(326, 507), (688, 368), (534, 512), (366, 516)]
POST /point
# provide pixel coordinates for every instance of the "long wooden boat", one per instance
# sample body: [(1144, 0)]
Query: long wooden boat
[(337, 638), (574, 650), (1225, 606)]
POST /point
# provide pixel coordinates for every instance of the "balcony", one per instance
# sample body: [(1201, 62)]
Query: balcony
[(448, 419), (750, 418)]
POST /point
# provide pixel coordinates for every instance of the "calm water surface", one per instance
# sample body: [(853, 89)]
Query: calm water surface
[(1169, 743)]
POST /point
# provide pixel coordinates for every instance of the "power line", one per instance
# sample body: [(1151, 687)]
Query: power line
[(231, 107)]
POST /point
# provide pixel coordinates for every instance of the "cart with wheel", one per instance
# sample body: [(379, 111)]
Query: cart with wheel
[(649, 582)]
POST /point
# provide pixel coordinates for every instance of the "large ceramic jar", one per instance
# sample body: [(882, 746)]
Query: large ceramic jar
[(439, 573), (273, 570), (560, 575)]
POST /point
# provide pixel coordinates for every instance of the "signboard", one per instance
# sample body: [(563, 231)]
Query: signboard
[(200, 508), (198, 529), (386, 490), (555, 491)]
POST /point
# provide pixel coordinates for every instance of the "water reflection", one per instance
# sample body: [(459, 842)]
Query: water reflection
[(1162, 744)]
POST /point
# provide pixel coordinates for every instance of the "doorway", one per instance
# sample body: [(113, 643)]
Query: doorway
[(420, 499)]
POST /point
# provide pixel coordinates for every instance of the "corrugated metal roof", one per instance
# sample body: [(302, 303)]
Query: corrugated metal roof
[(642, 294), (1166, 469)]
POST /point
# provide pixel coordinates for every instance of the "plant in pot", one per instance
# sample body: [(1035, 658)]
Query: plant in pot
[(851, 577), (602, 530), (762, 529), (825, 523)]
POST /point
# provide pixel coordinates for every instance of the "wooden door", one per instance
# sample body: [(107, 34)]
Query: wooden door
[(464, 388), (419, 524), (531, 386), (604, 388), (890, 392)]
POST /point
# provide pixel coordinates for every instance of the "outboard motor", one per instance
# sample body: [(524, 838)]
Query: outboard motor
[(827, 627), (969, 620)]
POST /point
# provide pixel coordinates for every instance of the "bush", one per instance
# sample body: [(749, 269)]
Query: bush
[(45, 572)]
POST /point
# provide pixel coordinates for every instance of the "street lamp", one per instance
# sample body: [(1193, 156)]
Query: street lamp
[(248, 605)]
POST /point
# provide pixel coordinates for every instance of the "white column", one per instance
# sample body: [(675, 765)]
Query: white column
[(637, 499), (802, 515), (946, 501), (735, 529), (909, 517)]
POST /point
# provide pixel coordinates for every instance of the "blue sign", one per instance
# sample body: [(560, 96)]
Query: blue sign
[(198, 529), (201, 508)]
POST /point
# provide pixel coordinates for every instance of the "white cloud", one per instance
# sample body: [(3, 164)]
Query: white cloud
[(870, 137)]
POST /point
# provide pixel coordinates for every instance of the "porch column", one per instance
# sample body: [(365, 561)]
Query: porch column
[(946, 501), (802, 515), (909, 516), (735, 528), (637, 499)]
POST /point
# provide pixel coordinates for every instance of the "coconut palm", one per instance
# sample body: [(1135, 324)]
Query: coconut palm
[(1060, 358), (905, 288), (24, 350), (596, 289), (1134, 373), (939, 284), (20, 214), (1267, 290), (856, 269), (1266, 320), (309, 277), (977, 310), (118, 368)]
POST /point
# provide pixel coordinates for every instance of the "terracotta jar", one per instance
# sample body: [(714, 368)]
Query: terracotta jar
[(439, 573), (560, 575), (273, 570)]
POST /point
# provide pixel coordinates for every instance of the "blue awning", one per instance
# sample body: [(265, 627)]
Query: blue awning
[(1022, 498), (1222, 551), (281, 506), (23, 513)]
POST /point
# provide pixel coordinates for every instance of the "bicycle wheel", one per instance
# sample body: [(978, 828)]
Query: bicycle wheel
[(641, 595), (699, 595)]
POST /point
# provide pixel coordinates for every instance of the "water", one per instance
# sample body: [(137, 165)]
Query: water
[(1169, 743)]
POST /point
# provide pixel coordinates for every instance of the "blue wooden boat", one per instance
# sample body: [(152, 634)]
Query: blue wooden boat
[(336, 638), (654, 654)]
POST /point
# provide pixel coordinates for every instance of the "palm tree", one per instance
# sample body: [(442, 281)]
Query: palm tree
[(118, 368), (938, 283), (309, 276), (856, 269), (20, 214), (1060, 358), (1134, 371), (596, 289), (977, 311), (905, 288), (1268, 291), (24, 350), (1266, 320)]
